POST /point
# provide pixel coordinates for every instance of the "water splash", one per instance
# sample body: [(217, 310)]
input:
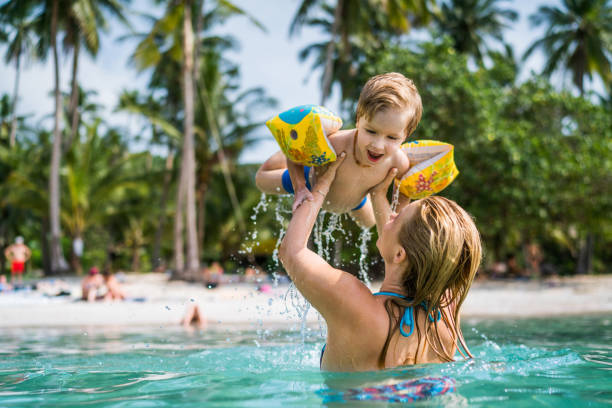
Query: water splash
[(261, 205), (317, 234), (282, 229), (300, 305), (395, 200), (252, 242), (364, 240)]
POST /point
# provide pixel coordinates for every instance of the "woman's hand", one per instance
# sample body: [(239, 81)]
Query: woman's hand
[(325, 180)]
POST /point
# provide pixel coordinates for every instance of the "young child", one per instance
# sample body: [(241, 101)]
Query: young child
[(388, 111)]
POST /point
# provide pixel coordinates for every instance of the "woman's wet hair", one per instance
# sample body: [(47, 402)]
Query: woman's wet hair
[(443, 254)]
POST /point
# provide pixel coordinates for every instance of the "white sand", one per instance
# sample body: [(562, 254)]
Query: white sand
[(242, 304)]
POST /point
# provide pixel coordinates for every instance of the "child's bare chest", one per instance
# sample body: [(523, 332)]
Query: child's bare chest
[(351, 185)]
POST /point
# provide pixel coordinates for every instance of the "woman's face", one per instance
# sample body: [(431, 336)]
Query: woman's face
[(388, 241)]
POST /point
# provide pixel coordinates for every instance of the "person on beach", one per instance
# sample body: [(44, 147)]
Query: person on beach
[(17, 254), (388, 111), (431, 250), (193, 317), (212, 275), (91, 284), (4, 285), (114, 289)]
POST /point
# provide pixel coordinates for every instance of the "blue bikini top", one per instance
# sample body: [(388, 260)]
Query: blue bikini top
[(408, 317)]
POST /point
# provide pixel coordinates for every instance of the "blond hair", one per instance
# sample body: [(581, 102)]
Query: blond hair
[(390, 90), (443, 253)]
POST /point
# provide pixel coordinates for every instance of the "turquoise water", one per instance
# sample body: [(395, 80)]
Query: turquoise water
[(563, 362)]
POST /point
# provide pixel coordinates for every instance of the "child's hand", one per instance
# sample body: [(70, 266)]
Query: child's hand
[(325, 180), (383, 186), (301, 195)]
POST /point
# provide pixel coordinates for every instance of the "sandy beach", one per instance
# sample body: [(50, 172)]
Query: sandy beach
[(242, 304)]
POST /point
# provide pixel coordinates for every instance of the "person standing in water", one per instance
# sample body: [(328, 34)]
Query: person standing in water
[(431, 250), (17, 254)]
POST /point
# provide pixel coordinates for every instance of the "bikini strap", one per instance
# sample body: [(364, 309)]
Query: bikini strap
[(408, 317)]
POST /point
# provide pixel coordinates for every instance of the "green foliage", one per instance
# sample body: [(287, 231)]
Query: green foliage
[(577, 39), (470, 22), (534, 163)]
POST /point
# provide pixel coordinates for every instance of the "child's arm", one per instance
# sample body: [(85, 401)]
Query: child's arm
[(270, 175)]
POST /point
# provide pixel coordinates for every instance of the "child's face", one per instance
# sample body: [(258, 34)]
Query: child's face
[(380, 136)]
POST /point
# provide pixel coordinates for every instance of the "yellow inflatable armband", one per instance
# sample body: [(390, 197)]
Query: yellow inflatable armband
[(301, 133), (432, 168)]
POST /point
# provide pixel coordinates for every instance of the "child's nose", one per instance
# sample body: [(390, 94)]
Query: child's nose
[(378, 144)]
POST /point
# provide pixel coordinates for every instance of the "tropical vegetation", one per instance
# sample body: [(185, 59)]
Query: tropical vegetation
[(534, 152)]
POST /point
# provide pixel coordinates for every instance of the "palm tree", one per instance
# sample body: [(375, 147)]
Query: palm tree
[(47, 23), (83, 22), (355, 17), (49, 19), (20, 44), (348, 56), (227, 119), (169, 47), (577, 39), (162, 50), (96, 171), (164, 133), (470, 22)]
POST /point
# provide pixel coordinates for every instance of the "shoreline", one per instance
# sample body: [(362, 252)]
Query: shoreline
[(241, 305)]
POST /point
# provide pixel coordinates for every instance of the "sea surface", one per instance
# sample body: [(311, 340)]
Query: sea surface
[(547, 362)]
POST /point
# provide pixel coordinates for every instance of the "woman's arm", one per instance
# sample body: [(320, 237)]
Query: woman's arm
[(334, 293)]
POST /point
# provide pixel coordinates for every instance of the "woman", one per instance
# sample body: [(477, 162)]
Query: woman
[(431, 250)]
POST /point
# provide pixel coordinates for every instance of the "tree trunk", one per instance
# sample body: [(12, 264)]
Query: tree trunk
[(162, 208), (46, 253), (13, 136), (3, 244), (201, 215), (58, 263), (329, 54), (193, 263), (136, 258), (204, 100), (74, 95), (585, 255), (231, 189), (179, 256), (75, 261)]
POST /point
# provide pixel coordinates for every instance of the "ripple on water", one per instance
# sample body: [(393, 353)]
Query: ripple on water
[(518, 362)]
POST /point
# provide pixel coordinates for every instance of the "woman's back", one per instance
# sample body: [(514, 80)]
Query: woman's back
[(362, 349)]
